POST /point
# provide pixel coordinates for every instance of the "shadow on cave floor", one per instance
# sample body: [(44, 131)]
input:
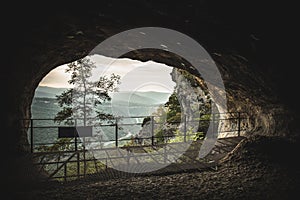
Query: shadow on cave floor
[(259, 168)]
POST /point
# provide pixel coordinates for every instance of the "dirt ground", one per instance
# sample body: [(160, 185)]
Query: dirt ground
[(259, 168)]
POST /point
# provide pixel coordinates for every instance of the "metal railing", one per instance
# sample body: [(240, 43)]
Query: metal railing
[(77, 153)]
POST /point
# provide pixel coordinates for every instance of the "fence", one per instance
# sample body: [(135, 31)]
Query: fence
[(76, 161)]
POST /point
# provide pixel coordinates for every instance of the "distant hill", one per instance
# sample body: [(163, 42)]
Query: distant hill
[(139, 98), (45, 106), (120, 98), (47, 92)]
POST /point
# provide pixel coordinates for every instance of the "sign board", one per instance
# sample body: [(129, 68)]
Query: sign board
[(78, 131)]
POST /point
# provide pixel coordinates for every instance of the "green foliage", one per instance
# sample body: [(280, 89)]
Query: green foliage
[(62, 144), (88, 167), (173, 109), (86, 94), (161, 113), (178, 137), (191, 78), (65, 98), (204, 122), (160, 137), (130, 143), (64, 114), (190, 135), (173, 116), (199, 136)]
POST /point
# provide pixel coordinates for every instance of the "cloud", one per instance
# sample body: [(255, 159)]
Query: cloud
[(135, 75), (57, 78)]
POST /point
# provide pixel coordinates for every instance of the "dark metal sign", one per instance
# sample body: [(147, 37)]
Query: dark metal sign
[(78, 131)]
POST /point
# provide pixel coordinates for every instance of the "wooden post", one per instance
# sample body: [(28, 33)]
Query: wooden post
[(116, 132), (31, 135)]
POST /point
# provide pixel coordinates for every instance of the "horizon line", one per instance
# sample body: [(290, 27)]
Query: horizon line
[(164, 91)]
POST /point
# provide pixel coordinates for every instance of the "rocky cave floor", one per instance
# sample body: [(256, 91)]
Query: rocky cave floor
[(259, 168)]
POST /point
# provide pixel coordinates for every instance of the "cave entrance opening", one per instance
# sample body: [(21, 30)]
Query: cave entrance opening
[(146, 90)]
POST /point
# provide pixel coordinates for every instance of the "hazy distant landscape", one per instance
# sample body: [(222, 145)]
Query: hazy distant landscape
[(45, 106), (47, 92)]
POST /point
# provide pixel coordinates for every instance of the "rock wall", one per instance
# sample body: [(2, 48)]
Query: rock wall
[(250, 91), (193, 101)]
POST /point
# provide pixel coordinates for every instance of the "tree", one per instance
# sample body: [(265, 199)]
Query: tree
[(83, 99), (173, 109)]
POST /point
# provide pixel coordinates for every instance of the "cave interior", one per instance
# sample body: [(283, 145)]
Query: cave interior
[(250, 41)]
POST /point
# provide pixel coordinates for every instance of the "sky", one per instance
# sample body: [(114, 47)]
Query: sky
[(135, 75)]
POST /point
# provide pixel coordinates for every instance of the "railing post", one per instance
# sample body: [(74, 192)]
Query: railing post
[(184, 128), (31, 135), (128, 158), (75, 136), (65, 172), (116, 132), (239, 124), (84, 158), (76, 150), (165, 154), (152, 130), (213, 122), (75, 143)]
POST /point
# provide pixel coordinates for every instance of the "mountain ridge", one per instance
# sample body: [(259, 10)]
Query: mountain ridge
[(119, 98)]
